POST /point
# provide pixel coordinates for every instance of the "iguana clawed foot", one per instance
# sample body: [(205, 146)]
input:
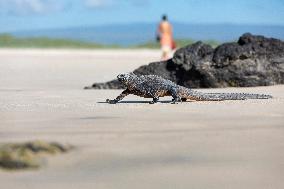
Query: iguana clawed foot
[(111, 101), (182, 100), (176, 100), (155, 100)]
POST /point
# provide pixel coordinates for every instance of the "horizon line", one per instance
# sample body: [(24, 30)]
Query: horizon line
[(149, 23)]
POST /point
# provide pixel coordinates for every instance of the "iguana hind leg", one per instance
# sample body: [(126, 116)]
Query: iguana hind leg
[(176, 97), (155, 100)]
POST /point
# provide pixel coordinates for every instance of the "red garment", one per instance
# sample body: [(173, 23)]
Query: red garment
[(174, 46)]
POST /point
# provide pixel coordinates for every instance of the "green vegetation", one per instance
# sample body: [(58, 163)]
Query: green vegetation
[(179, 43), (28, 155), (9, 41)]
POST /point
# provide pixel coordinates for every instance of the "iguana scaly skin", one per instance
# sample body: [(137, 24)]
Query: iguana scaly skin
[(153, 86)]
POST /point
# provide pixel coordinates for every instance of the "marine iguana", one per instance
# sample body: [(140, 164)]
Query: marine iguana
[(153, 86)]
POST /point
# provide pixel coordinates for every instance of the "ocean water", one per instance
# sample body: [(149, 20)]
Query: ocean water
[(137, 33)]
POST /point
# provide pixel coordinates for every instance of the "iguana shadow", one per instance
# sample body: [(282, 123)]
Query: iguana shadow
[(140, 102)]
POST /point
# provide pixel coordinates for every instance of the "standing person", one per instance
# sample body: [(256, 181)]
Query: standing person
[(165, 36)]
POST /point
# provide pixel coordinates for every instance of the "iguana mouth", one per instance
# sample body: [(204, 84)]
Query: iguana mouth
[(120, 79)]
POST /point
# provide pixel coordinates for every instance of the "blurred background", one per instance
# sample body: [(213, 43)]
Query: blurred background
[(133, 23)]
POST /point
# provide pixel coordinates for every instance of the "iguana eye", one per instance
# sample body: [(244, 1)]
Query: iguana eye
[(120, 76)]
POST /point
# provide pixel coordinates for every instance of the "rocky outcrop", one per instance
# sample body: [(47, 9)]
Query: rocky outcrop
[(251, 61)]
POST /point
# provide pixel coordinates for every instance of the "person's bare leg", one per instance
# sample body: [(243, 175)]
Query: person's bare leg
[(164, 56)]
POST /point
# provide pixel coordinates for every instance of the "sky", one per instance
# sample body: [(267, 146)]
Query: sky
[(18, 15)]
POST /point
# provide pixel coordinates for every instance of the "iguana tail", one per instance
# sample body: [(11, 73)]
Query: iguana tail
[(196, 95), (236, 96)]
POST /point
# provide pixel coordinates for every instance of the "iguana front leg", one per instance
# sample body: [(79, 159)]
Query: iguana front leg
[(119, 97), (155, 100)]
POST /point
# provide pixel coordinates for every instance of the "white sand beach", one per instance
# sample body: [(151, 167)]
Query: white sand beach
[(193, 145)]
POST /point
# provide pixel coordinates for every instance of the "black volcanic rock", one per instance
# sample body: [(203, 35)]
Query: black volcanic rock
[(252, 61)]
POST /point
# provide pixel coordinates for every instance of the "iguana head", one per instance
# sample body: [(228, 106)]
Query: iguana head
[(126, 78)]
